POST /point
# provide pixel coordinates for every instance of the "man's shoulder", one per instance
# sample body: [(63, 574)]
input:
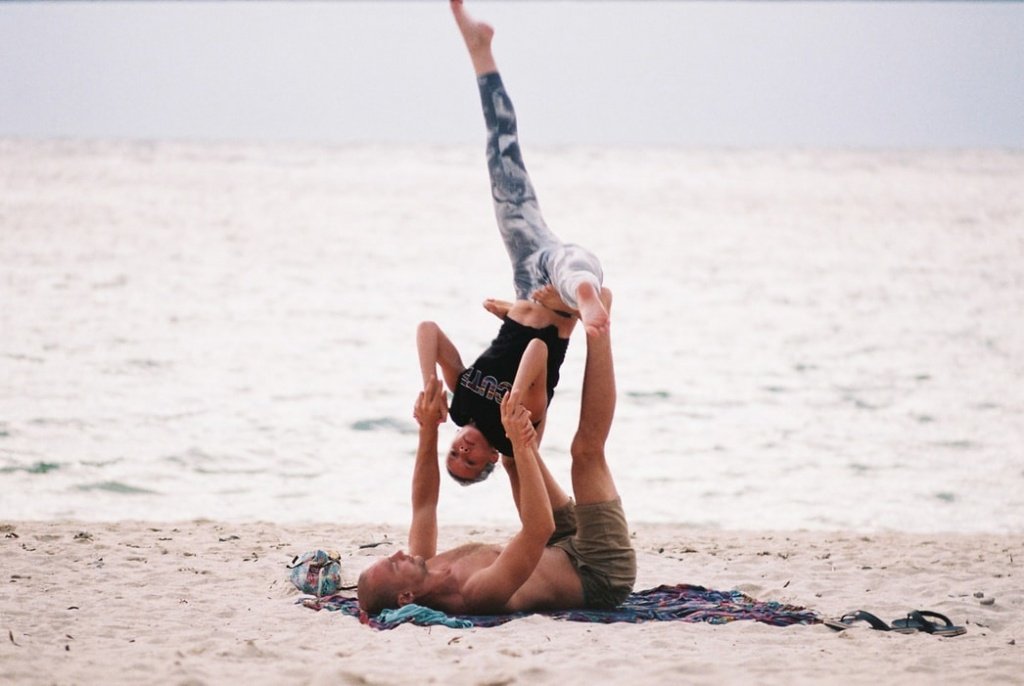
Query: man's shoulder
[(462, 563)]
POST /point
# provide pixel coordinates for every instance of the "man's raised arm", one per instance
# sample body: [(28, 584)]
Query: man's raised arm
[(429, 412), (490, 588)]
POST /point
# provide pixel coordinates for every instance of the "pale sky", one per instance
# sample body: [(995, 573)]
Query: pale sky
[(767, 74)]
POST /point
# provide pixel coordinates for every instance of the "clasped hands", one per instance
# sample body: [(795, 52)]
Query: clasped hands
[(431, 407), (516, 420)]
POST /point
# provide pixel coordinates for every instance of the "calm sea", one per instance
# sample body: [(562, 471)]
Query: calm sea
[(803, 339)]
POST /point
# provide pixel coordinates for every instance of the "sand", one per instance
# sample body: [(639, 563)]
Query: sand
[(208, 602)]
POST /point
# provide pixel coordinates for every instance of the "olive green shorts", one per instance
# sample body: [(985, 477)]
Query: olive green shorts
[(596, 538)]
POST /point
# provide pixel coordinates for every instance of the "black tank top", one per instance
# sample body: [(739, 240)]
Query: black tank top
[(482, 385)]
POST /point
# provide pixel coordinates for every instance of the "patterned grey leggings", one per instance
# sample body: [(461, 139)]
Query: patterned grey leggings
[(538, 256)]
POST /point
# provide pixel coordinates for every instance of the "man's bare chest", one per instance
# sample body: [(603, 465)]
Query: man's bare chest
[(469, 558)]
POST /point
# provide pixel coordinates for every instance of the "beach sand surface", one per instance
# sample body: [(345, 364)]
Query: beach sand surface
[(205, 602)]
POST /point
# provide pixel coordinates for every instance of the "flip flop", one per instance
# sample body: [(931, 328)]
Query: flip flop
[(847, 620), (917, 619)]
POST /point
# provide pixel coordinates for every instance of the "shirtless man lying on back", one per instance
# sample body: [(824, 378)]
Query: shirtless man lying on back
[(566, 555)]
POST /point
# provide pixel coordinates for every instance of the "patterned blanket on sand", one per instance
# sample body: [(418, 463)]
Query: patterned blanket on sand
[(683, 603)]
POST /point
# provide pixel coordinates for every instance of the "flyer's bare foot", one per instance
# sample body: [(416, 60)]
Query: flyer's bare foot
[(548, 297), (477, 36), (594, 309), (499, 308)]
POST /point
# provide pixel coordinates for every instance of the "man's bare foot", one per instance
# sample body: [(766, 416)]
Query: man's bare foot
[(477, 36), (594, 309), (499, 308), (548, 297)]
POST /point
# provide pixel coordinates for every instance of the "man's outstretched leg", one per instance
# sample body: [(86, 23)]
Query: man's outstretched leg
[(591, 479), (601, 550)]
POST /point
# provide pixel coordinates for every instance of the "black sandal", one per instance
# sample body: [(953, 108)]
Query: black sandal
[(847, 620), (917, 620)]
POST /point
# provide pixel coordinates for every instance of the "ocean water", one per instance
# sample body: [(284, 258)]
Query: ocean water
[(803, 339)]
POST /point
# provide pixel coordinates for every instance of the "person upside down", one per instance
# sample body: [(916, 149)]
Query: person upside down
[(556, 284), (570, 552)]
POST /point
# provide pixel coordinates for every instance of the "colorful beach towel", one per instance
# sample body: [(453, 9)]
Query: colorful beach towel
[(683, 603)]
